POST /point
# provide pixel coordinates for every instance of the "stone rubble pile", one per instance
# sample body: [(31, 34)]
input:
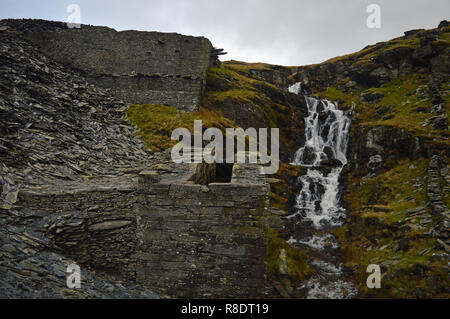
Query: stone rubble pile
[(31, 268), (55, 126), (57, 134)]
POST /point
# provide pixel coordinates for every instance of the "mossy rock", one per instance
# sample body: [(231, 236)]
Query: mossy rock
[(296, 265)]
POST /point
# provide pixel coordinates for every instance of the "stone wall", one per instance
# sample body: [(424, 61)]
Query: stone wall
[(201, 241), (162, 230), (93, 223), (139, 67)]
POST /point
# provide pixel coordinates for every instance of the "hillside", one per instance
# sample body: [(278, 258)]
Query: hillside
[(77, 131), (397, 181)]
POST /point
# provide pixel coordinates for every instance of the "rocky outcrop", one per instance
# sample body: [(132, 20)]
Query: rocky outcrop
[(138, 67), (438, 170), (418, 51), (371, 146), (251, 101)]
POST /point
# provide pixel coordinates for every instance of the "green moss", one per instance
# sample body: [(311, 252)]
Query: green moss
[(345, 100), (239, 96), (395, 190), (157, 122), (278, 201), (399, 95), (445, 36), (384, 225), (244, 66), (235, 79), (231, 83), (296, 261), (398, 107), (376, 246), (399, 279)]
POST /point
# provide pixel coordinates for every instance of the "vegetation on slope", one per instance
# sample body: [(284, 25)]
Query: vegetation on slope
[(157, 122), (284, 260), (395, 84), (403, 104), (382, 230), (252, 102)]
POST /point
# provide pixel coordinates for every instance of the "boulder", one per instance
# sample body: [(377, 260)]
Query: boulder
[(371, 97), (375, 162), (439, 122)]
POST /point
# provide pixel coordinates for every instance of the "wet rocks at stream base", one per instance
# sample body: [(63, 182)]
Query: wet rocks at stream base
[(318, 208)]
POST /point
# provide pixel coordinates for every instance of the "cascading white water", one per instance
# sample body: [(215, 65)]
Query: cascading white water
[(326, 133), (324, 153)]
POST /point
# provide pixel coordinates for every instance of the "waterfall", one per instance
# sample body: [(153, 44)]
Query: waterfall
[(318, 203), (326, 134), (326, 139)]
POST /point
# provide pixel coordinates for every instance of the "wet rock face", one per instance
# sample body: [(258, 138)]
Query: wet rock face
[(138, 67), (318, 208)]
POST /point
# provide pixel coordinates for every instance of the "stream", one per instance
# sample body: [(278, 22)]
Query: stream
[(318, 209)]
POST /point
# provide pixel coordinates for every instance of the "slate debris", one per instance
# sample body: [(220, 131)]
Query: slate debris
[(54, 125), (29, 268), (56, 131)]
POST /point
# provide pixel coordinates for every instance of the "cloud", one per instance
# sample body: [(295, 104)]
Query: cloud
[(288, 32)]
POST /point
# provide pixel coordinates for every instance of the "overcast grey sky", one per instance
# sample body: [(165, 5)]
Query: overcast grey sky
[(287, 32)]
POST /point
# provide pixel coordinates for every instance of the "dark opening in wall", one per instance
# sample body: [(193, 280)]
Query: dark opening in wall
[(212, 173), (224, 172)]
